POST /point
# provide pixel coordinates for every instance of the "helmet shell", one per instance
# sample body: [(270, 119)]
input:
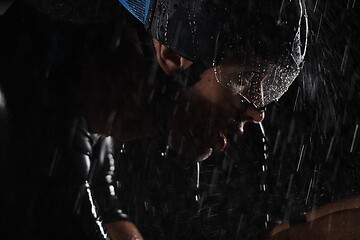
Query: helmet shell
[(196, 28)]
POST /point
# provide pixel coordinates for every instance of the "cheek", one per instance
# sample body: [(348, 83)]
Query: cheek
[(208, 90), (202, 106), (194, 118), (216, 100), (212, 93), (185, 117)]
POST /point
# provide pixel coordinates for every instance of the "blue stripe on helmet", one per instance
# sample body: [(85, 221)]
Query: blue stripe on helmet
[(138, 8)]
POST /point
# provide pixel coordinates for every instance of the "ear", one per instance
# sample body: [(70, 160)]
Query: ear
[(170, 62)]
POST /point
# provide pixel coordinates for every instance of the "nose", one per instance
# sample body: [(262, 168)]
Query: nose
[(254, 115)]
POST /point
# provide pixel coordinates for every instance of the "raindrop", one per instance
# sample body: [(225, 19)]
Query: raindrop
[(354, 137), (165, 153), (112, 190), (108, 178), (264, 169), (54, 162), (197, 194), (122, 150), (308, 192), (146, 205), (47, 73), (316, 3), (296, 99), (344, 59), (2, 100), (166, 27), (318, 31), (117, 42), (240, 225), (289, 187), (330, 147), (301, 157), (198, 175)]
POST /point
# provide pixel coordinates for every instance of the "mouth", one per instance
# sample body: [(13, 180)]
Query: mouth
[(234, 128), (194, 143), (221, 142)]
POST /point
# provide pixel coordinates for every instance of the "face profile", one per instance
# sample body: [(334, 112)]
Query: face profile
[(239, 75), (224, 98), (247, 61), (218, 104), (206, 114), (208, 111), (91, 109)]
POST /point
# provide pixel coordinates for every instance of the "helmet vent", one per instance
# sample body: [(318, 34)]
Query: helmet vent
[(138, 8)]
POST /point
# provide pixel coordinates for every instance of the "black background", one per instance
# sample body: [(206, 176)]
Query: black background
[(315, 122)]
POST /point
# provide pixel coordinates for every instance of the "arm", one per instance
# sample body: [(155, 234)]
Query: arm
[(116, 222), (334, 226), (98, 207), (337, 220)]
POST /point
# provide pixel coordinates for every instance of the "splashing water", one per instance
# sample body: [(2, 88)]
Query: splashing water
[(122, 150), (197, 196), (264, 170)]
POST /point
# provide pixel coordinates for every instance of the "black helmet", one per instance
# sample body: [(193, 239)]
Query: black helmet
[(268, 35)]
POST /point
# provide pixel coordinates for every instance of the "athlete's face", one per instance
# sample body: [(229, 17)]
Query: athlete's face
[(210, 110), (206, 113)]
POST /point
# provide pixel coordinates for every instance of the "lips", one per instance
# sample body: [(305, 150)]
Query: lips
[(235, 128), (222, 141)]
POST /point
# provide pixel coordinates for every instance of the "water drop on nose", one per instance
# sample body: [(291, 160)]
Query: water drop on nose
[(264, 165), (264, 170), (197, 195)]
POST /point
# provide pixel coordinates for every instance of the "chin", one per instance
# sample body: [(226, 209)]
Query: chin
[(201, 156), (192, 149)]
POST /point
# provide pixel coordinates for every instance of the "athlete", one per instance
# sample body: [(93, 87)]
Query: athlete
[(247, 59), (231, 60)]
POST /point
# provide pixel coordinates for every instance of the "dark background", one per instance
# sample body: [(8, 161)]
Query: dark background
[(312, 131)]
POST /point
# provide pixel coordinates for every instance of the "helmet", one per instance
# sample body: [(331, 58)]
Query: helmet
[(256, 47)]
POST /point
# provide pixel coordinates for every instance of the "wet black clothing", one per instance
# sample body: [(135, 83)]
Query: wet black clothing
[(57, 180), (317, 134)]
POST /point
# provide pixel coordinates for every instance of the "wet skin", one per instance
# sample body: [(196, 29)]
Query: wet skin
[(116, 97), (206, 113)]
